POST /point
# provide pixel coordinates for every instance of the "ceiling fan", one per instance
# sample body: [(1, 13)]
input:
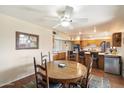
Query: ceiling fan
[(66, 19)]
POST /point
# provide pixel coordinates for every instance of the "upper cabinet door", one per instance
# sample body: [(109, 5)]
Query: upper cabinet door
[(116, 39)]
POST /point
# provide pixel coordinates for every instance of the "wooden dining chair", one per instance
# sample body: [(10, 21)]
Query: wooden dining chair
[(41, 79), (40, 82), (84, 82)]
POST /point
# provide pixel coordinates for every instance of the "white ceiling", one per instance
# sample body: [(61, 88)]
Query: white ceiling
[(48, 16)]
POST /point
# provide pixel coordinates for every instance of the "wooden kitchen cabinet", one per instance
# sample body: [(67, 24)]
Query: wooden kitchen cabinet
[(101, 62), (85, 43), (59, 56), (62, 56), (55, 56)]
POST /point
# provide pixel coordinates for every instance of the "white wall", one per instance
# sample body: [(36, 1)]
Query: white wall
[(15, 64)]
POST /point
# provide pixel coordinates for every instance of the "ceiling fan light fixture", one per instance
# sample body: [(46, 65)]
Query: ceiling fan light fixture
[(65, 23)]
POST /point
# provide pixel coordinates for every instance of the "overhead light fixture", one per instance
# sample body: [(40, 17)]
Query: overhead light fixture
[(65, 23)]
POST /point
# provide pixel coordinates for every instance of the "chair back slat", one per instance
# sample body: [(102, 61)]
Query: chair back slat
[(44, 56), (40, 67)]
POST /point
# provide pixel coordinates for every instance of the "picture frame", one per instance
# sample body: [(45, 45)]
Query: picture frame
[(26, 41), (116, 39)]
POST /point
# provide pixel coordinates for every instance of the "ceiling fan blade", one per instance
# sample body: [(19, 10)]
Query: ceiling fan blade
[(68, 11), (56, 26), (80, 19)]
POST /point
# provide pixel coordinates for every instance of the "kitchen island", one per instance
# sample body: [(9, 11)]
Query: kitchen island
[(110, 63), (115, 64)]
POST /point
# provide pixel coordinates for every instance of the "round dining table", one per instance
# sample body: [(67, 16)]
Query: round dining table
[(71, 71)]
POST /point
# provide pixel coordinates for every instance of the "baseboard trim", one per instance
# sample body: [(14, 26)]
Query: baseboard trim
[(16, 79)]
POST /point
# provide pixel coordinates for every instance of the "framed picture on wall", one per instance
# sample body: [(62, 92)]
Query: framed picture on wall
[(116, 39), (26, 41)]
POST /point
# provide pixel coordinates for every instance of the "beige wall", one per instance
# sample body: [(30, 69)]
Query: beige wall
[(15, 64)]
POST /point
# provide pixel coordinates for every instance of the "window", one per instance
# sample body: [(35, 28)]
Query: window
[(61, 45)]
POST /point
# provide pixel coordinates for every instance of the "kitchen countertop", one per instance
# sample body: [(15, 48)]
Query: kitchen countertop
[(104, 54), (55, 52)]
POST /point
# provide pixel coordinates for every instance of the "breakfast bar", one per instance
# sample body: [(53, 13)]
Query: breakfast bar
[(115, 60)]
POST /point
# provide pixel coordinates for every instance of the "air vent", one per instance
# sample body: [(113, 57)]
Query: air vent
[(54, 32)]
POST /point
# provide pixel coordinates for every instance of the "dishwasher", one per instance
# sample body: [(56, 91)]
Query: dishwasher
[(112, 64)]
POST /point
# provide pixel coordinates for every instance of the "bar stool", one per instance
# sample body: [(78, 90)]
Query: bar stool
[(95, 57), (71, 56), (82, 57)]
